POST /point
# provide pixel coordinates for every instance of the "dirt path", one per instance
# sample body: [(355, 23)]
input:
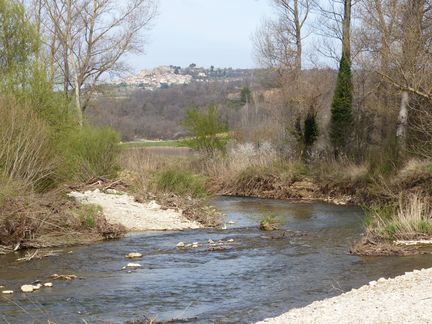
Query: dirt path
[(404, 299), (120, 208)]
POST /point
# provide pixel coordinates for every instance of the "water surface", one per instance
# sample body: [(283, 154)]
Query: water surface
[(257, 276)]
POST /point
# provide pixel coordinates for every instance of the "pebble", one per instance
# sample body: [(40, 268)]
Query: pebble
[(381, 280), (195, 245), (134, 255), (230, 240), (134, 265), (7, 292), (180, 244), (211, 242), (27, 288), (372, 283), (48, 284)]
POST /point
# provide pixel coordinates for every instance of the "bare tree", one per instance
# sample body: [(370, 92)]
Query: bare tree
[(280, 43), (399, 38), (87, 39)]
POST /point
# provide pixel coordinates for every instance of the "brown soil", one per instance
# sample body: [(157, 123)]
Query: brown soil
[(272, 187), (366, 247)]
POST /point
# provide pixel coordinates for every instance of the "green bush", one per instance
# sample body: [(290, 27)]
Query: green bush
[(180, 182), (89, 152), (206, 130)]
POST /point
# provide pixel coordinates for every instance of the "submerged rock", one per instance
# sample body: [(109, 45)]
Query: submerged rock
[(134, 265), (27, 288), (56, 276), (134, 255)]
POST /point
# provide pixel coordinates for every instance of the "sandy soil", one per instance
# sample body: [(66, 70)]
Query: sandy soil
[(120, 208), (404, 299)]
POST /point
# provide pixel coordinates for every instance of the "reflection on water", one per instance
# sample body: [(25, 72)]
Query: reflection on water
[(255, 278)]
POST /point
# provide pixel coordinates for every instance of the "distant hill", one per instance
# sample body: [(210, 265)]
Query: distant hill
[(168, 76)]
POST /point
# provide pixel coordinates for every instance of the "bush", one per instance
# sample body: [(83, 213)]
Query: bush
[(89, 152), (180, 182), (206, 131), (26, 146)]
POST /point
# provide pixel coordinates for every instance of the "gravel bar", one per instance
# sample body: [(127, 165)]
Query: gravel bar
[(404, 299)]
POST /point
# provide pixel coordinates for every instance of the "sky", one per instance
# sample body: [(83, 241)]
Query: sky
[(204, 32)]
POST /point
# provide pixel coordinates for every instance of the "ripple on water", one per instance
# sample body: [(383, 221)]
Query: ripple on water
[(259, 276)]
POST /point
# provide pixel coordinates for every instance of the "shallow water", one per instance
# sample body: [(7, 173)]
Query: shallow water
[(256, 277)]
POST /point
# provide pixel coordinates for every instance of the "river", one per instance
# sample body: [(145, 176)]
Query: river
[(255, 277)]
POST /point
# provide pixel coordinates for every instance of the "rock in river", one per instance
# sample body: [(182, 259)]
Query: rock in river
[(180, 245), (7, 292), (27, 288), (48, 284), (134, 255)]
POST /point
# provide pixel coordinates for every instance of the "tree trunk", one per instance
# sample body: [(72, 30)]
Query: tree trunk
[(403, 120), (298, 58), (346, 30)]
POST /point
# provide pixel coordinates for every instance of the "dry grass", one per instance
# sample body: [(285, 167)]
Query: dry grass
[(140, 164), (411, 219)]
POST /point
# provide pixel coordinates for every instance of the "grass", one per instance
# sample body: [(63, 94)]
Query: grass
[(180, 182), (411, 218), (153, 143), (88, 214), (269, 223)]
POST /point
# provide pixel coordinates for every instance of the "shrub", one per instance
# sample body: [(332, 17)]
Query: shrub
[(90, 152), (26, 146), (180, 182), (206, 130)]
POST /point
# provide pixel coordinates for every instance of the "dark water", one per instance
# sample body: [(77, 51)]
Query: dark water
[(257, 277)]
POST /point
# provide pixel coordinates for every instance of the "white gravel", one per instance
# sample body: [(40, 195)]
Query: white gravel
[(404, 299), (120, 208)]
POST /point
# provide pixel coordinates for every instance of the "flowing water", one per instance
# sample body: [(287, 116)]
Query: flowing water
[(255, 277)]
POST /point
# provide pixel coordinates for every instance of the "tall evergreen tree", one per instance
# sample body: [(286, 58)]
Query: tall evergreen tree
[(341, 110)]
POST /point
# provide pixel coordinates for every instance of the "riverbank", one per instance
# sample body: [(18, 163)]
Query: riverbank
[(403, 299), (121, 208)]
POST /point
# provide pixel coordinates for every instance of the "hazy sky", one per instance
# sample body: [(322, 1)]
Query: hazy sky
[(204, 32)]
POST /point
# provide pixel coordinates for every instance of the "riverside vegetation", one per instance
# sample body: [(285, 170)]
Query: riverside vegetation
[(287, 134)]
